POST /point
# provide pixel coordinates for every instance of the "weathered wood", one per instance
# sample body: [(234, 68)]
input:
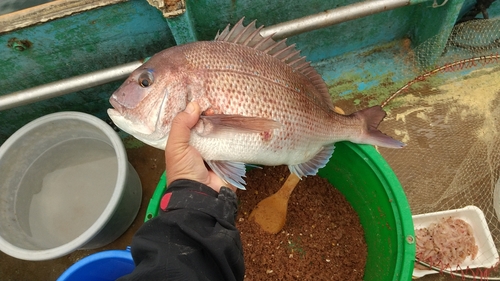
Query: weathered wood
[(169, 8), (49, 11)]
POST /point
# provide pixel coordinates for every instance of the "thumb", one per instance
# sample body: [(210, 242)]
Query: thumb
[(179, 157), (180, 130)]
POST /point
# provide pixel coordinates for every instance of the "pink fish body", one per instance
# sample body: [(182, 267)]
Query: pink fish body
[(262, 104)]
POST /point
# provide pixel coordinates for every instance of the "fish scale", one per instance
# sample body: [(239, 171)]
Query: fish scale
[(267, 98), (262, 104), (221, 58)]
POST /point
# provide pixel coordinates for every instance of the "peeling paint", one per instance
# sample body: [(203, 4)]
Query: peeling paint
[(169, 8), (19, 45)]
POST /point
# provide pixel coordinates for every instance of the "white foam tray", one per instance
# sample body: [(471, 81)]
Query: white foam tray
[(487, 254)]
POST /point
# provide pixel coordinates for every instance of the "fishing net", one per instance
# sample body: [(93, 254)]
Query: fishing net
[(449, 117)]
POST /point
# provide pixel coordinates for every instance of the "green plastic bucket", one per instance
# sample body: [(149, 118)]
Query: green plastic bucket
[(373, 190)]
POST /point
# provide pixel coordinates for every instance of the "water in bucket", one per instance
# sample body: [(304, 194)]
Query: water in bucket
[(67, 185), (64, 191)]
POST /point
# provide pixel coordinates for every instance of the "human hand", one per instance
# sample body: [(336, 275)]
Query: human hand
[(182, 160)]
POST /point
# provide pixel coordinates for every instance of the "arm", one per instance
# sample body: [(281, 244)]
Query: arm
[(194, 236)]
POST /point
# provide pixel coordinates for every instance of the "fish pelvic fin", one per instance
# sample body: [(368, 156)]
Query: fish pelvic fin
[(311, 167), (230, 172), (219, 125), (372, 117)]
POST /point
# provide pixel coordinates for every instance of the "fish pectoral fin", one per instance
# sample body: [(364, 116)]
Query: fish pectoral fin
[(311, 167), (230, 172), (219, 124)]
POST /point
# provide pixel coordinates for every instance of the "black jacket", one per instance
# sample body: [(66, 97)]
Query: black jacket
[(193, 237)]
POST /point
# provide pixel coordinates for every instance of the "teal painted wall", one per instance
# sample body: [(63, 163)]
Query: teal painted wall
[(317, 45), (75, 45)]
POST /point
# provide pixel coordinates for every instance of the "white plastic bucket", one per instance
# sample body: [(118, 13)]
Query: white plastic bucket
[(66, 184)]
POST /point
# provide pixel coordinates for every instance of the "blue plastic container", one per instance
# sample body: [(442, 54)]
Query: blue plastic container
[(102, 266)]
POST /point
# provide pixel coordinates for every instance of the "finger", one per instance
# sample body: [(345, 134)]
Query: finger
[(177, 156)]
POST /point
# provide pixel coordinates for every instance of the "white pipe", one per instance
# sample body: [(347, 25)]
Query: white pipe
[(331, 17), (281, 30), (66, 86)]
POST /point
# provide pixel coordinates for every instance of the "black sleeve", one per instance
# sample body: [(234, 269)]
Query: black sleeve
[(193, 237)]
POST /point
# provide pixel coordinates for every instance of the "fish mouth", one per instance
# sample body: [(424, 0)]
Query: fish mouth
[(127, 125), (126, 120), (115, 104)]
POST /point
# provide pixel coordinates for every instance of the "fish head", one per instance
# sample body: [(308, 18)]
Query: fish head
[(143, 104)]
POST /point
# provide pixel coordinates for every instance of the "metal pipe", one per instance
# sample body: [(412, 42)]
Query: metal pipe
[(280, 30), (67, 86), (331, 17)]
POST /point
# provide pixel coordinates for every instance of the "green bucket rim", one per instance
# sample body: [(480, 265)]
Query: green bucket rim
[(405, 235)]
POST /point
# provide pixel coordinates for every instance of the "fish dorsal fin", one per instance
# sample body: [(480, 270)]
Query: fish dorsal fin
[(250, 36)]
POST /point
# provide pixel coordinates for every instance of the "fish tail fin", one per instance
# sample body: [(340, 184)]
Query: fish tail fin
[(372, 117)]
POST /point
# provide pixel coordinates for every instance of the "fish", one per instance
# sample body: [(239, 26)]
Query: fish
[(262, 104)]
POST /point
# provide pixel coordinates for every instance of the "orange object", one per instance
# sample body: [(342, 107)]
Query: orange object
[(270, 213)]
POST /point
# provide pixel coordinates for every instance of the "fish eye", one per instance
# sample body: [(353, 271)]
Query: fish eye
[(145, 79)]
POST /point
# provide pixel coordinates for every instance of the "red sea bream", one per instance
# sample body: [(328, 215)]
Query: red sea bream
[(262, 104)]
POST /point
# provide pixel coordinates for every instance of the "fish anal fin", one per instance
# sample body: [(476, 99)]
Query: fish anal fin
[(230, 172), (311, 167), (219, 124)]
